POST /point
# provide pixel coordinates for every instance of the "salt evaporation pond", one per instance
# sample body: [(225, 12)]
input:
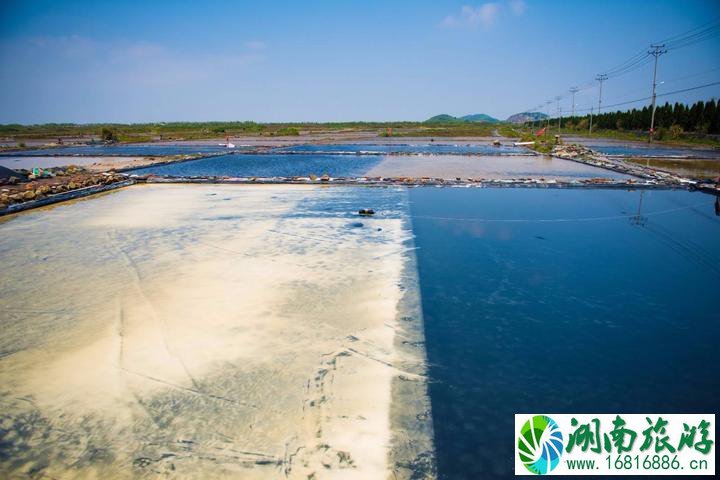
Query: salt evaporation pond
[(192, 313), (659, 152), (213, 331), (267, 165), (565, 301), (434, 148), (351, 165), (124, 149), (29, 162)]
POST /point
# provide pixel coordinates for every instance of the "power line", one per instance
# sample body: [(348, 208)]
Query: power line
[(573, 90), (648, 98), (681, 35), (586, 106), (698, 34), (693, 36)]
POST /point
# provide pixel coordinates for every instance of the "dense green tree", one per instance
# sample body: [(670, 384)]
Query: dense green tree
[(701, 117)]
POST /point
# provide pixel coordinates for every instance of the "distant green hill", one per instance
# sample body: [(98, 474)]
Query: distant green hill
[(479, 117), (442, 118), (476, 117)]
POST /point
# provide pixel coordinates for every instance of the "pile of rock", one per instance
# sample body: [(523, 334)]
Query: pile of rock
[(35, 190), (572, 151), (579, 153)]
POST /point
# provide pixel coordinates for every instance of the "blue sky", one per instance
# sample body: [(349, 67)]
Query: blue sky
[(123, 61)]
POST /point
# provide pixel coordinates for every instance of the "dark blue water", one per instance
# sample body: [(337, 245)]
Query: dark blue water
[(269, 165), (661, 152), (128, 150), (562, 301), (405, 148)]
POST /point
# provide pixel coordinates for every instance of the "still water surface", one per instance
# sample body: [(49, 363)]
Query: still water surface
[(407, 148), (268, 165), (539, 301), (131, 150), (355, 165), (656, 152)]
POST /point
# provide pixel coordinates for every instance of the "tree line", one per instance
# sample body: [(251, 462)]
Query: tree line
[(702, 117)]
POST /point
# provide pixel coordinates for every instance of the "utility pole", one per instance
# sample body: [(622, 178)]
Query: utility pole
[(557, 99), (600, 78), (547, 109), (590, 131), (656, 51), (573, 90)]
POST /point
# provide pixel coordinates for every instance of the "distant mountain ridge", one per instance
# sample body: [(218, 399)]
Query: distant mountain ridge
[(475, 117), (526, 117)]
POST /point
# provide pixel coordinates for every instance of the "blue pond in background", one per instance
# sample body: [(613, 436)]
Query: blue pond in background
[(129, 150), (406, 148), (660, 152), (551, 300), (268, 165)]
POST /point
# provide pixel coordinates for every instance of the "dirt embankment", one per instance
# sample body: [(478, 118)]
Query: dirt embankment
[(16, 190)]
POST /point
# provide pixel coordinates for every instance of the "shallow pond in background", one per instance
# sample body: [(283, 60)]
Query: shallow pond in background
[(656, 151), (687, 167), (131, 150), (568, 301), (348, 165), (349, 148), (268, 165), (28, 162), (488, 167)]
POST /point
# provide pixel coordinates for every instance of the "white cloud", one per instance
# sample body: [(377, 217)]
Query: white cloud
[(469, 16), (517, 6)]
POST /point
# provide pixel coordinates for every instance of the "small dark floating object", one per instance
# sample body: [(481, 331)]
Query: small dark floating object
[(366, 211), (356, 225)]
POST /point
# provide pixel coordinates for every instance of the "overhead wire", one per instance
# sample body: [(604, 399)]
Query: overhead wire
[(701, 33), (698, 87)]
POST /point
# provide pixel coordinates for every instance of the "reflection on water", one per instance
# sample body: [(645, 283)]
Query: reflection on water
[(269, 165), (562, 301), (488, 167), (656, 151), (687, 167), (351, 165), (435, 148)]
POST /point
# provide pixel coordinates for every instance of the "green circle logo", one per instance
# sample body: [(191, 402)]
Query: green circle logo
[(540, 444)]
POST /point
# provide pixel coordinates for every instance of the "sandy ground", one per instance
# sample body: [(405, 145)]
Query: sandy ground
[(211, 332), (486, 166)]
